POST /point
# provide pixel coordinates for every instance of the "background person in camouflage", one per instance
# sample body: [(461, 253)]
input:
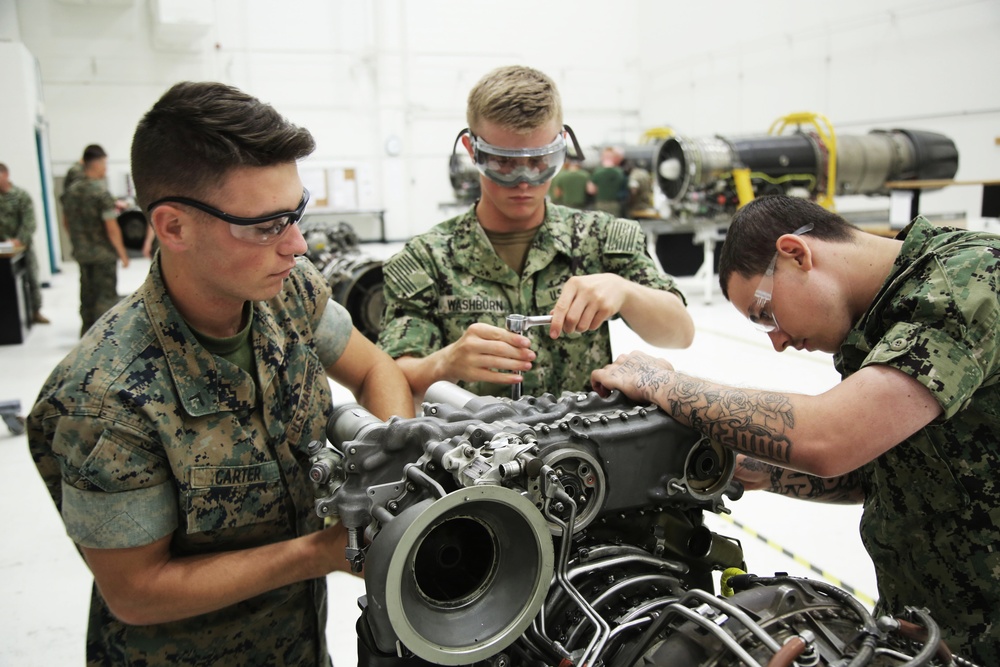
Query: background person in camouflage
[(449, 290), (17, 224), (569, 186), (92, 222), (913, 323), (174, 438), (608, 183), (75, 171)]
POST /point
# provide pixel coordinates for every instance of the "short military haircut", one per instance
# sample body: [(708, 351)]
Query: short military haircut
[(3, 168), (518, 98), (750, 240), (93, 152), (187, 144)]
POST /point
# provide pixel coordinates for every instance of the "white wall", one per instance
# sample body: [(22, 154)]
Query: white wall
[(25, 151), (359, 72), (864, 64)]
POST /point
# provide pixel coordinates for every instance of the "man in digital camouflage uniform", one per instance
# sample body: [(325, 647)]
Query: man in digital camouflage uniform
[(608, 182), (17, 224), (75, 173), (448, 292), (911, 431), (76, 170), (92, 222), (569, 186), (174, 438)]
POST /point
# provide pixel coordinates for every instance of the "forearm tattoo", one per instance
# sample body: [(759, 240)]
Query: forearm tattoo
[(843, 489), (753, 422)]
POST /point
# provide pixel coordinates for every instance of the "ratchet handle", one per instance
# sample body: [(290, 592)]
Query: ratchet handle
[(519, 324)]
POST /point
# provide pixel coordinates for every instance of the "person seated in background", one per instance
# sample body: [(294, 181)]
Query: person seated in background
[(449, 290), (175, 438), (913, 324), (17, 225)]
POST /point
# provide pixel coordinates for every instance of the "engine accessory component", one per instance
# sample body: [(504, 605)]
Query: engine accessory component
[(519, 324), (355, 278), (569, 531)]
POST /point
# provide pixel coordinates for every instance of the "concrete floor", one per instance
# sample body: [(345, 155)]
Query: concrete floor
[(45, 586)]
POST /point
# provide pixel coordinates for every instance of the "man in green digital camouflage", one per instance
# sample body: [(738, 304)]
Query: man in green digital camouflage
[(174, 439), (91, 215), (75, 171), (911, 431), (448, 292)]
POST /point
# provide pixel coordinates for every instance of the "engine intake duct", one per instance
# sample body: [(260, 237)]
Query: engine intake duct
[(459, 579)]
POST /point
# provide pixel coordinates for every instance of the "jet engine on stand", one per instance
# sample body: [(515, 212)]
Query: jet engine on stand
[(543, 531), (703, 181), (713, 176)]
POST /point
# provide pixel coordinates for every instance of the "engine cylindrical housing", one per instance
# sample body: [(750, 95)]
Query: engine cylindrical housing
[(864, 164)]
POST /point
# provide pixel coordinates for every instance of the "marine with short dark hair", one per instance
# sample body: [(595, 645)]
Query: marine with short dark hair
[(175, 438)]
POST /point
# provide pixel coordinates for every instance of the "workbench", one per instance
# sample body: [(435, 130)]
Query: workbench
[(15, 298)]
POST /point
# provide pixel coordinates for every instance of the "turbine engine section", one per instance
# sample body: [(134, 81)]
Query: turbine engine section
[(642, 155), (563, 531), (355, 278), (695, 174), (466, 508)]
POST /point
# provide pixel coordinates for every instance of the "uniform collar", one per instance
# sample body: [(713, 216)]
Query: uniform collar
[(474, 252), (205, 386), (919, 237)]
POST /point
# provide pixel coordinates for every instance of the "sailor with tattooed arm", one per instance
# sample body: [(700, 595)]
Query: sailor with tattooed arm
[(913, 325)]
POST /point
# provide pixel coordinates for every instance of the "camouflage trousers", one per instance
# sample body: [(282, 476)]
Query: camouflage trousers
[(33, 285), (98, 291)]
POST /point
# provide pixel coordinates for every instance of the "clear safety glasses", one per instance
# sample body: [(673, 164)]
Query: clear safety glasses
[(760, 313), (509, 167), (263, 230)]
